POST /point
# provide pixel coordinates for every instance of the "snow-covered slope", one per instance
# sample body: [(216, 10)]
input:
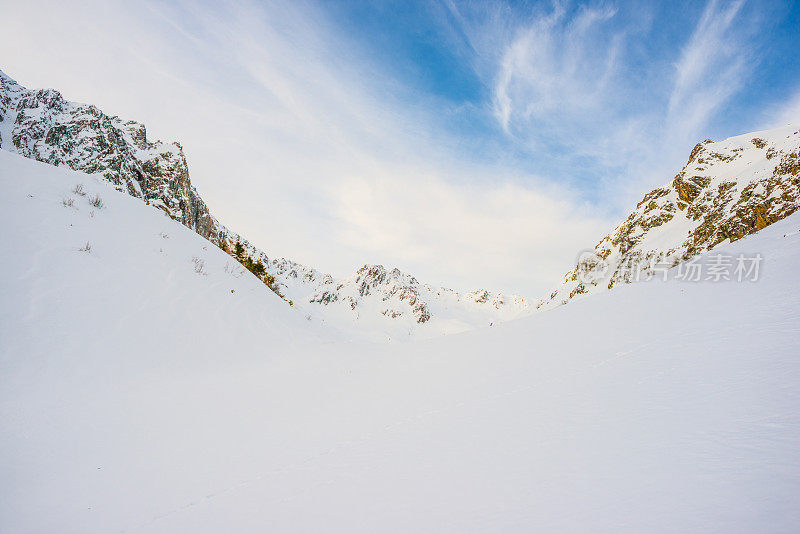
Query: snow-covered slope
[(100, 251), (138, 393), (726, 191), (42, 125)]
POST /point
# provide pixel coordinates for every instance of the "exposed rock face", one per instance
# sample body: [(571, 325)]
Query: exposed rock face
[(399, 291), (726, 191), (396, 294), (42, 125)]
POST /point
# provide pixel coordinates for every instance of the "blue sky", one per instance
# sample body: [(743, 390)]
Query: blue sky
[(440, 49), (473, 144)]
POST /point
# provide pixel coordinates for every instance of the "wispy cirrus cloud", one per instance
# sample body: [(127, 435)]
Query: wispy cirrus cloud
[(573, 84), (550, 75), (711, 69), (783, 113)]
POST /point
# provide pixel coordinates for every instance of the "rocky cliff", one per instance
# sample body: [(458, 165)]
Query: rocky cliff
[(727, 190), (43, 126)]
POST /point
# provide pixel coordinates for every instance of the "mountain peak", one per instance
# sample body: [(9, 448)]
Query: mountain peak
[(727, 190)]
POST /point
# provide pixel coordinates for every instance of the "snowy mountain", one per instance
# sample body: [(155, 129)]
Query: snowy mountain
[(383, 299), (42, 125), (726, 191), (149, 384)]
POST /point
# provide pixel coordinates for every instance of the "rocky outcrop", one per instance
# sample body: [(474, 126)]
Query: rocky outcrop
[(43, 126), (726, 191), (398, 294)]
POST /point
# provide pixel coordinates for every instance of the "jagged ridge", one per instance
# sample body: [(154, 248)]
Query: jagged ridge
[(43, 126), (727, 190)]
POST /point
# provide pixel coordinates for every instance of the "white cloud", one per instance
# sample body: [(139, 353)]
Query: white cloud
[(710, 71), (458, 231), (555, 71), (784, 113), (569, 87), (550, 71)]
